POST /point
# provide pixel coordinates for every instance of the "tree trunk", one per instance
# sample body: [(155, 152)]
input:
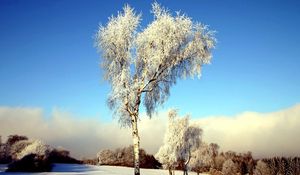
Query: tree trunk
[(185, 164), (185, 172), (170, 171), (136, 145)]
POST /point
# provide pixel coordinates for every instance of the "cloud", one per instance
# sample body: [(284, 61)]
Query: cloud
[(265, 134), (84, 137)]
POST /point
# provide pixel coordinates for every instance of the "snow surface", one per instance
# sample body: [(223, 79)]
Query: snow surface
[(90, 169)]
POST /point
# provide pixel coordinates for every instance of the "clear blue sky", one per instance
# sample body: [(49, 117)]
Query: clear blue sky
[(47, 58)]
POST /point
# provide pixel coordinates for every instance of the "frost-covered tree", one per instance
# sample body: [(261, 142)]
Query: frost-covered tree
[(18, 147), (262, 168), (179, 141), (37, 147), (106, 156), (124, 157), (219, 160), (229, 167), (145, 63), (203, 158), (191, 142)]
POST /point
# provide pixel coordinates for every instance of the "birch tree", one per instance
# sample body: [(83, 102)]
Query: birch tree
[(143, 64), (181, 139)]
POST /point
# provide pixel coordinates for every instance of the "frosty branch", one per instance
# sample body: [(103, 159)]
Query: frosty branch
[(145, 63)]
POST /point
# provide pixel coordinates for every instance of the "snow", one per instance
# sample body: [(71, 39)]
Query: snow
[(77, 169)]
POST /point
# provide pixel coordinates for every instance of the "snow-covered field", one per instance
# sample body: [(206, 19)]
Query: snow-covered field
[(90, 169), (77, 169)]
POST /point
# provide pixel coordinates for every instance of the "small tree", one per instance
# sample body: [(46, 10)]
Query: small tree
[(203, 158), (192, 140), (262, 168), (229, 167), (179, 141), (147, 63), (106, 157), (219, 160)]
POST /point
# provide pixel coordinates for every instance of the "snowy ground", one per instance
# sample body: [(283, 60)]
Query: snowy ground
[(89, 169)]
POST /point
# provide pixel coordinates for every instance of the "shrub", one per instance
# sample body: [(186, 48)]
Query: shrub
[(90, 161), (31, 163), (36, 147), (18, 147), (213, 171), (4, 157), (12, 146), (124, 157), (60, 155)]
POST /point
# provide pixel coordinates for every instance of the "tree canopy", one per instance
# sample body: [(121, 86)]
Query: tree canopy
[(148, 61)]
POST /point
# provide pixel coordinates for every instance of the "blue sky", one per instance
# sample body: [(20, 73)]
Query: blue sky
[(47, 58)]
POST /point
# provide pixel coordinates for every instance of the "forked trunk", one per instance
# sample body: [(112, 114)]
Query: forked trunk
[(185, 165), (136, 145), (185, 172), (170, 171)]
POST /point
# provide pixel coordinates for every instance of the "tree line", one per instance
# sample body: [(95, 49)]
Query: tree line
[(184, 149)]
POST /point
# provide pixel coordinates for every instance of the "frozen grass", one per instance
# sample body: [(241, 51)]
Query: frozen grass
[(77, 169)]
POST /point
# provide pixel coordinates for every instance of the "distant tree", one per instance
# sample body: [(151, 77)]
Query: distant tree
[(14, 138), (229, 167), (106, 157), (18, 147), (61, 155), (147, 63), (262, 168), (37, 147), (244, 162), (293, 165), (192, 140), (250, 162), (3, 158), (214, 149), (283, 165), (124, 157), (203, 158), (7, 149), (180, 141), (93, 161), (219, 160)]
